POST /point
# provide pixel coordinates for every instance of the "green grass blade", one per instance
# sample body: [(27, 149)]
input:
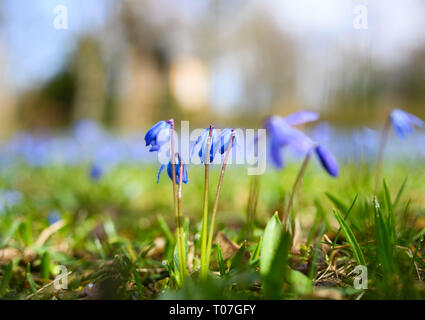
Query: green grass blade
[(257, 250), (358, 255), (6, 278), (45, 266), (400, 192), (31, 282), (221, 264), (165, 230), (345, 218), (340, 205)]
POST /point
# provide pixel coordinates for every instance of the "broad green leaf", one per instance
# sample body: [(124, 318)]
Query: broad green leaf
[(271, 238), (300, 283), (238, 260), (275, 278)]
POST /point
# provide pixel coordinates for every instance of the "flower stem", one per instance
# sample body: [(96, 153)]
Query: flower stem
[(295, 187), (182, 247), (217, 196), (204, 266), (179, 231), (383, 143), (254, 190)]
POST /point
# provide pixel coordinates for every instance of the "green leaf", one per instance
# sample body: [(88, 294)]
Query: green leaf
[(10, 233), (139, 284), (387, 198), (257, 250), (389, 210), (6, 278), (31, 282), (358, 255), (300, 283), (271, 238), (345, 218), (400, 192), (166, 230), (45, 266), (238, 260), (221, 264), (340, 205), (275, 278)]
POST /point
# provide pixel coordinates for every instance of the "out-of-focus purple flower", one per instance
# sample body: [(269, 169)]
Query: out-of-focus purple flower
[(54, 216), (301, 117), (96, 172), (282, 134), (327, 160), (202, 142), (9, 198), (404, 122), (87, 131), (322, 133), (158, 135), (185, 178)]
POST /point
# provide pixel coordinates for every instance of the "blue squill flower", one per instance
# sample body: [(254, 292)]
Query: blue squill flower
[(404, 122), (327, 160), (185, 179), (202, 142), (223, 140), (158, 135), (282, 134)]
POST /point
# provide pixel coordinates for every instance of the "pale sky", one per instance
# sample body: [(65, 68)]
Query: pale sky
[(34, 49)]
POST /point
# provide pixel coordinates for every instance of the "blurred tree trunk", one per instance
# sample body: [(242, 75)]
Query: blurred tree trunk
[(90, 81)]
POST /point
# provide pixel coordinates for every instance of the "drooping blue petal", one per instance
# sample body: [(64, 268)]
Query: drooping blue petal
[(327, 160), (404, 122), (202, 143), (224, 139), (159, 173), (283, 135), (170, 172), (276, 154), (301, 117), (158, 135)]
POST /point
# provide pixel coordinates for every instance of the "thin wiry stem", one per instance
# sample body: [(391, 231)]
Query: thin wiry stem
[(204, 266), (179, 232), (182, 255), (295, 187), (383, 143), (252, 204), (217, 196)]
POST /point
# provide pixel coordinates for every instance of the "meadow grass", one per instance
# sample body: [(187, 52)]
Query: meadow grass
[(116, 236)]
